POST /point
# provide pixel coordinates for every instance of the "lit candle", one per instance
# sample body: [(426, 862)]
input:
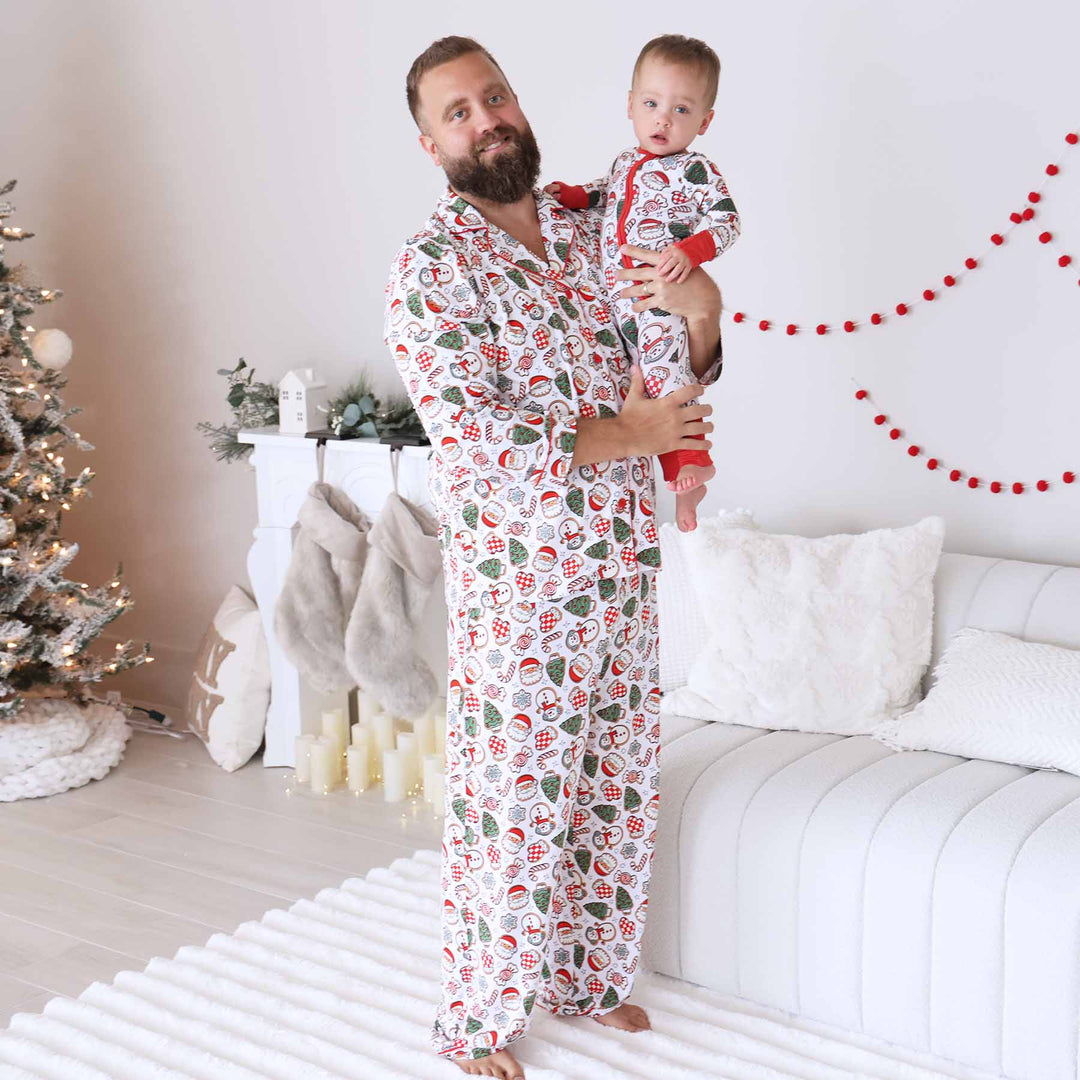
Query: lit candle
[(382, 731), (324, 764), (433, 776), (395, 767), (407, 744), (359, 767), (302, 752), (424, 729)]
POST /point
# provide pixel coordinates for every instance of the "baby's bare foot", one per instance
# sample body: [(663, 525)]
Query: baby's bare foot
[(502, 1064), (686, 508), (627, 1018), (692, 476)]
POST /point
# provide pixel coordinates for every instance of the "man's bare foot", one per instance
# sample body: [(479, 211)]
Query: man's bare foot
[(691, 476), (686, 508), (627, 1018), (502, 1064)]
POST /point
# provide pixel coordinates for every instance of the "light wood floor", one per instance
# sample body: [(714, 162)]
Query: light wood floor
[(165, 851)]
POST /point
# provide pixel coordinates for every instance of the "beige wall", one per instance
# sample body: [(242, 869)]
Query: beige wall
[(211, 180)]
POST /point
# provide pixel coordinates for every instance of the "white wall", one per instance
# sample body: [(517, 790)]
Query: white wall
[(225, 178)]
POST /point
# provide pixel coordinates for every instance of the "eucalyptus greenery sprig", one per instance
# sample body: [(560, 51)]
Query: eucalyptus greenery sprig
[(356, 412), (253, 404)]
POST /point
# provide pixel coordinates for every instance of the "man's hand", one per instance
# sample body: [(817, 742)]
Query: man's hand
[(674, 265), (644, 426), (697, 298)]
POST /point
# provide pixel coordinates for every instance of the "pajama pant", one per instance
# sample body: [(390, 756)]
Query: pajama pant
[(552, 798), (658, 342)]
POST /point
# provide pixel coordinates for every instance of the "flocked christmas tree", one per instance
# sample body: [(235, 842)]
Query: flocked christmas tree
[(47, 622)]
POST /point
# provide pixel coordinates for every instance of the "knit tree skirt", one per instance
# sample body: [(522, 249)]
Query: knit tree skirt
[(346, 985), (52, 744)]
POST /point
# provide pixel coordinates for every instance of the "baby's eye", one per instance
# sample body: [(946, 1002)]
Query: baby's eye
[(682, 109), (649, 104)]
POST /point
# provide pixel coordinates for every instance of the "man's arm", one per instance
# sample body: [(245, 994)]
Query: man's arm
[(697, 299)]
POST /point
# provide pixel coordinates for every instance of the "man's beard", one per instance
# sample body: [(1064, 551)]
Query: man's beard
[(511, 174)]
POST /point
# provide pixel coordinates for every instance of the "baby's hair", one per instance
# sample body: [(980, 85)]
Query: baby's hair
[(679, 49), (439, 52)]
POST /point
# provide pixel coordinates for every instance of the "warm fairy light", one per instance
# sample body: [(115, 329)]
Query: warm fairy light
[(120, 603), (149, 660), (67, 650), (119, 647), (70, 663), (114, 584), (66, 506)]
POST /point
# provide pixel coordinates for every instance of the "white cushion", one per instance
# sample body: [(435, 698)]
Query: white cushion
[(826, 635), (682, 628), (230, 689), (1000, 698)]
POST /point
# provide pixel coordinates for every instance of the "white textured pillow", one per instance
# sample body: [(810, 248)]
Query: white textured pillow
[(230, 689), (996, 696), (682, 629), (828, 635)]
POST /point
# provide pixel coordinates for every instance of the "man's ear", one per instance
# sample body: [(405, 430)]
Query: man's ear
[(706, 122), (429, 147)]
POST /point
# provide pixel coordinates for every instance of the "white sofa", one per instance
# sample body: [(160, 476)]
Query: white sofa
[(928, 900)]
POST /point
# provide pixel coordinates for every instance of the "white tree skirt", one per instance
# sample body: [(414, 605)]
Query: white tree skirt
[(52, 744), (345, 986)]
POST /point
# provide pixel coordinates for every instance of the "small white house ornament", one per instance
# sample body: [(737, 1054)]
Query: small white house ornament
[(300, 394)]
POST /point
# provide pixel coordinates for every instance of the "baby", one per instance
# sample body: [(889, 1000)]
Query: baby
[(662, 196)]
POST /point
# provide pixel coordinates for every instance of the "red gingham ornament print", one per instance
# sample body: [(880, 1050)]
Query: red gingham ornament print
[(603, 890), (495, 544), (536, 852), (544, 738), (611, 616), (549, 620)]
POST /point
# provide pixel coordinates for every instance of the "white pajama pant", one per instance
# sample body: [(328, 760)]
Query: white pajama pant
[(552, 799)]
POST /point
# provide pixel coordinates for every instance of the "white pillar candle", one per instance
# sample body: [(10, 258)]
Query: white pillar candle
[(361, 736), (359, 768), (438, 794), (324, 767), (366, 706), (424, 729), (433, 775), (395, 768), (382, 731), (302, 752), (438, 711), (336, 722), (406, 742)]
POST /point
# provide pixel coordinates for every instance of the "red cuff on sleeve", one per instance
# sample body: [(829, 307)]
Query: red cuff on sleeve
[(573, 197), (701, 247)]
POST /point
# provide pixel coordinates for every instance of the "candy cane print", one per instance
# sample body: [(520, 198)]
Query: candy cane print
[(547, 642), (639, 866), (505, 677), (505, 789), (545, 755), (534, 870)]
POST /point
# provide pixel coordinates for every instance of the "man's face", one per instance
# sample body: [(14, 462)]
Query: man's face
[(473, 128)]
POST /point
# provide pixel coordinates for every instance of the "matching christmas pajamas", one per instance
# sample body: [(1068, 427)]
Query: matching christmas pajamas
[(651, 201)]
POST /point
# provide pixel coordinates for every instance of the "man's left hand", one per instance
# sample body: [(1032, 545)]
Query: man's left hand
[(696, 299)]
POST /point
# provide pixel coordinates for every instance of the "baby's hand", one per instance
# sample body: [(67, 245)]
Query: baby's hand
[(674, 265), (553, 189)]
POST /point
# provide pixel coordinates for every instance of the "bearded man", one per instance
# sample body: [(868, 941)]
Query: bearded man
[(541, 478)]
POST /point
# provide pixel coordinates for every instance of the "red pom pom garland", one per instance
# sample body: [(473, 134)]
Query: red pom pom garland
[(997, 239), (934, 464)]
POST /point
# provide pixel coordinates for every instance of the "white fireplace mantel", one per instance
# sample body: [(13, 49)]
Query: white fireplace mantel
[(285, 468)]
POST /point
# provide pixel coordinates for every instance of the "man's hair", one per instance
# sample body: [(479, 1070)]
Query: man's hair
[(439, 52), (679, 49)]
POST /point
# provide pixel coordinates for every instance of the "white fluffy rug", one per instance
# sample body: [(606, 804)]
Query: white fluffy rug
[(344, 986)]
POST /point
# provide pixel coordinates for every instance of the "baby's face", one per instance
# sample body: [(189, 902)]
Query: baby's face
[(667, 106)]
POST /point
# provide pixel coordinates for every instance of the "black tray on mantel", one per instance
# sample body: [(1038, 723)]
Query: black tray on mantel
[(325, 434)]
